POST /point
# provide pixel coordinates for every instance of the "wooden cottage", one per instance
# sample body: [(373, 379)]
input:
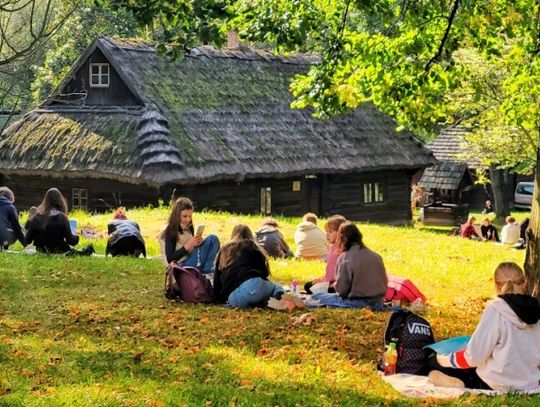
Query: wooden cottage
[(130, 127), (453, 179)]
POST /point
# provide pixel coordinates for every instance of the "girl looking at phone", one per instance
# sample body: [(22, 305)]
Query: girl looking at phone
[(180, 243)]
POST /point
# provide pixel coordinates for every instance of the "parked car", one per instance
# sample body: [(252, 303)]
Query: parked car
[(523, 195)]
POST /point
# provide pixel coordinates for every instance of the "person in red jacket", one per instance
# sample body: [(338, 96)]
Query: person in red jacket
[(468, 230)]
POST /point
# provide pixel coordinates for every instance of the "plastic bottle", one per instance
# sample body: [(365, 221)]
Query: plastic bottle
[(294, 286), (390, 359), (418, 306)]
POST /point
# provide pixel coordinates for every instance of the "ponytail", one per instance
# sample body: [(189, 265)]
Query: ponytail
[(509, 278)]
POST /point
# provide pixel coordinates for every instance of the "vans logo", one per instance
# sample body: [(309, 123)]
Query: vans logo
[(418, 328)]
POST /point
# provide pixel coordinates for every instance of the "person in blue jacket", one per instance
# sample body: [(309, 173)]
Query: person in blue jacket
[(10, 228)]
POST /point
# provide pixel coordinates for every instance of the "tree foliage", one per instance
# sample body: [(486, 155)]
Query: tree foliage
[(25, 27)]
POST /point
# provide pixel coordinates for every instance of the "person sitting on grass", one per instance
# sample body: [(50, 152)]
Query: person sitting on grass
[(361, 279), (504, 351), (468, 230), (271, 239), (242, 271), (510, 231), (125, 237), (180, 244), (489, 232), (49, 229), (331, 227), (10, 228), (488, 207), (310, 240)]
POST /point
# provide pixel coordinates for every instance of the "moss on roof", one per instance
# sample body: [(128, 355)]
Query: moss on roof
[(224, 115)]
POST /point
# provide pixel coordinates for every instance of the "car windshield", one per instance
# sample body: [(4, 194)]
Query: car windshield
[(525, 189)]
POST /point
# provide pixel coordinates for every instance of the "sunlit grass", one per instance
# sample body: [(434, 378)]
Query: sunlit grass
[(98, 331)]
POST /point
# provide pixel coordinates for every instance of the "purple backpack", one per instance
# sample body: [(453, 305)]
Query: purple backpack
[(187, 284)]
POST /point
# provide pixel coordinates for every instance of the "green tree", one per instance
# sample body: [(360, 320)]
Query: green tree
[(477, 104), (399, 55), (25, 28)]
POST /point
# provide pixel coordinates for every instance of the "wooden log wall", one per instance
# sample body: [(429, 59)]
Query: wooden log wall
[(333, 194), (103, 194), (343, 194)]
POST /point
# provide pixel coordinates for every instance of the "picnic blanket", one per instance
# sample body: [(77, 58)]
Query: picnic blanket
[(420, 387)]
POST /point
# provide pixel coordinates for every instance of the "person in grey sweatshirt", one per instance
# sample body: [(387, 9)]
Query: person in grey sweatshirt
[(361, 279)]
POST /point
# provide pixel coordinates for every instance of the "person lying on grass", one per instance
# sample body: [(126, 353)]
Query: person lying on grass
[(50, 230), (331, 227), (242, 271), (361, 279), (179, 243), (125, 237), (504, 350)]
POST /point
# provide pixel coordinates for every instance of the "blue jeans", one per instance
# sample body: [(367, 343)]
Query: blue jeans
[(203, 257), (253, 292), (334, 300)]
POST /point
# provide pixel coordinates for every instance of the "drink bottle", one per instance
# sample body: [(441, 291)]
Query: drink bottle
[(390, 359)]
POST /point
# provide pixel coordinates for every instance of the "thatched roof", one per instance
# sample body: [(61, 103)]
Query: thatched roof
[(445, 175), (450, 145), (214, 114)]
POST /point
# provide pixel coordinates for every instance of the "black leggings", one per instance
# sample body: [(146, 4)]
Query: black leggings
[(467, 376)]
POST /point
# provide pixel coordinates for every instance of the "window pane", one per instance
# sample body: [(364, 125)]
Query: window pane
[(263, 201), (94, 69), (105, 69), (95, 80), (268, 201), (104, 79), (368, 193), (378, 192)]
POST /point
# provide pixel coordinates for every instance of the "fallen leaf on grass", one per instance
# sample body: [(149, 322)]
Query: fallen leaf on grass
[(305, 319)]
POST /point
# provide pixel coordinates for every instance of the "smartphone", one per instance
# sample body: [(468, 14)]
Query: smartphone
[(200, 230)]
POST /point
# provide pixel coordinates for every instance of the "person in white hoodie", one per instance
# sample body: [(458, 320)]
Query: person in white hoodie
[(309, 239), (504, 351), (510, 232)]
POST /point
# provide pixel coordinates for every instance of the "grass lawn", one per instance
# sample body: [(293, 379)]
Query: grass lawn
[(98, 331)]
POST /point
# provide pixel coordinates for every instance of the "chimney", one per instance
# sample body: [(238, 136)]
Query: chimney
[(232, 40)]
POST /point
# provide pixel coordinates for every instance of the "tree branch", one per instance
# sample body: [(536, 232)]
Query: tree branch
[(451, 18)]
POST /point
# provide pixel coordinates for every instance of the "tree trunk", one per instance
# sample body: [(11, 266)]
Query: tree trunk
[(499, 184), (532, 258)]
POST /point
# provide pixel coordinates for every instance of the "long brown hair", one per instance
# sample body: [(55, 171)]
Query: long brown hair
[(53, 199), (241, 238), (348, 234), (173, 227)]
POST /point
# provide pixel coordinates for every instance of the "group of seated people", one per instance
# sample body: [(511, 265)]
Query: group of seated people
[(241, 271), (49, 230), (355, 276), (512, 232)]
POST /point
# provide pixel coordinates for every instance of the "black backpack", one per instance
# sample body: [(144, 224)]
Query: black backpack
[(410, 333)]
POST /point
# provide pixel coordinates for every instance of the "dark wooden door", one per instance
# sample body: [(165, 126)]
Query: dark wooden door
[(311, 196)]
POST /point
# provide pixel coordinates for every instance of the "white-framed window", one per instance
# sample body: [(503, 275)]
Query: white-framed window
[(99, 75), (79, 198), (266, 200), (373, 193)]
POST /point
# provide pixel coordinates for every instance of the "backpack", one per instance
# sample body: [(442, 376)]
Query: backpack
[(402, 289), (187, 284), (411, 333)]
